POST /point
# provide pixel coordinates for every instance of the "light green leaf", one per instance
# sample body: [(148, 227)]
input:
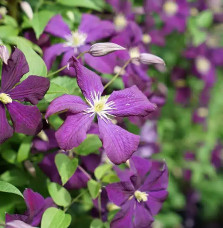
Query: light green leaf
[(9, 188), (9, 155), (40, 20), (65, 166), (36, 63), (205, 19), (101, 170), (94, 188), (24, 149), (96, 223), (59, 194), (55, 218), (7, 31), (90, 145), (16, 177)]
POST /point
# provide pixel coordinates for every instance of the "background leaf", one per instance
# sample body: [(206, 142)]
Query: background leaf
[(7, 187)]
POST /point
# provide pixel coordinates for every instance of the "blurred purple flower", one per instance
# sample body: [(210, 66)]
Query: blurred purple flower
[(117, 142), (139, 195), (217, 156), (26, 119), (36, 205)]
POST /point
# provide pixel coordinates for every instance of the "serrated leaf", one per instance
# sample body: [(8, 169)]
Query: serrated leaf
[(94, 188), (9, 188), (59, 194), (90, 145), (65, 166), (101, 170), (55, 218)]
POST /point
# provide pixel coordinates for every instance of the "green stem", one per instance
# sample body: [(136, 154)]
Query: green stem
[(81, 54), (85, 172), (55, 72), (114, 78), (13, 8)]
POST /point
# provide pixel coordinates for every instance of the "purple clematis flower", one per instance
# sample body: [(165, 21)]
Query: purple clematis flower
[(90, 30), (117, 142), (36, 205), (26, 119), (217, 156), (140, 195)]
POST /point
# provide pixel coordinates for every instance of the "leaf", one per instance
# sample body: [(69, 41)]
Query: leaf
[(59, 194), (40, 20), (7, 31), (94, 188), (96, 223), (204, 19), (90, 145), (65, 166), (24, 149), (9, 188), (16, 177), (36, 63), (90, 4), (101, 170), (55, 218)]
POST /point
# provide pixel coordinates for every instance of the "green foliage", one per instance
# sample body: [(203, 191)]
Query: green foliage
[(94, 188), (9, 188), (101, 170)]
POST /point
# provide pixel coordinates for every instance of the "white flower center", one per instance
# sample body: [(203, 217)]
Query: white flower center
[(134, 52), (141, 196), (146, 38), (170, 8), (202, 112), (120, 22), (76, 39), (100, 106), (203, 65), (5, 98)]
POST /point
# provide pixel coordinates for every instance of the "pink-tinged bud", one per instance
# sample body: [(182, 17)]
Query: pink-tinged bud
[(148, 59), (101, 49), (27, 9), (4, 54)]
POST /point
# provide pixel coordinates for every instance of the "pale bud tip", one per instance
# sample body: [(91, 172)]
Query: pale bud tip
[(25, 6), (148, 59), (101, 49), (4, 54)]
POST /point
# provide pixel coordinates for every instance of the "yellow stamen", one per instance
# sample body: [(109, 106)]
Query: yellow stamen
[(120, 22), (141, 196), (202, 112), (146, 38), (203, 65), (5, 98), (170, 8)]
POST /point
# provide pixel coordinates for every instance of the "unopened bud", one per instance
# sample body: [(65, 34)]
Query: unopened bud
[(148, 59), (27, 9), (4, 54), (101, 49)]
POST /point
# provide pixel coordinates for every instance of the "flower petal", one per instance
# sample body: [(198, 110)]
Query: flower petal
[(6, 131), (66, 102), (73, 131), (26, 119), (57, 27), (120, 192), (12, 72), (18, 223), (95, 28), (88, 81), (118, 143), (31, 89), (131, 102), (52, 52)]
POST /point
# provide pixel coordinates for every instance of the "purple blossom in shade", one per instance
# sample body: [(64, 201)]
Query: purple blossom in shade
[(47, 165), (183, 91), (217, 156), (91, 29), (117, 142), (139, 195), (36, 205), (201, 112), (26, 119)]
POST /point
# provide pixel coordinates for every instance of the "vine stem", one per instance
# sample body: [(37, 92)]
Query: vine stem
[(85, 172), (114, 78)]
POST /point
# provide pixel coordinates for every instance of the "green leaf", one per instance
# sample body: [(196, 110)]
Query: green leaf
[(9, 155), (40, 20), (7, 31), (55, 218), (90, 145), (90, 4), (59, 194), (36, 63), (101, 170), (94, 188), (65, 166), (24, 149), (9, 188), (96, 223), (204, 19)]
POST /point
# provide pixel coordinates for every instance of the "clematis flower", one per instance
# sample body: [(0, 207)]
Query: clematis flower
[(140, 195), (117, 142), (26, 119), (36, 205), (217, 156), (91, 29)]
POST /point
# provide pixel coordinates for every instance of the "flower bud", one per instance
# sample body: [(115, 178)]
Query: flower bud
[(101, 49), (27, 9), (148, 59), (4, 54)]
